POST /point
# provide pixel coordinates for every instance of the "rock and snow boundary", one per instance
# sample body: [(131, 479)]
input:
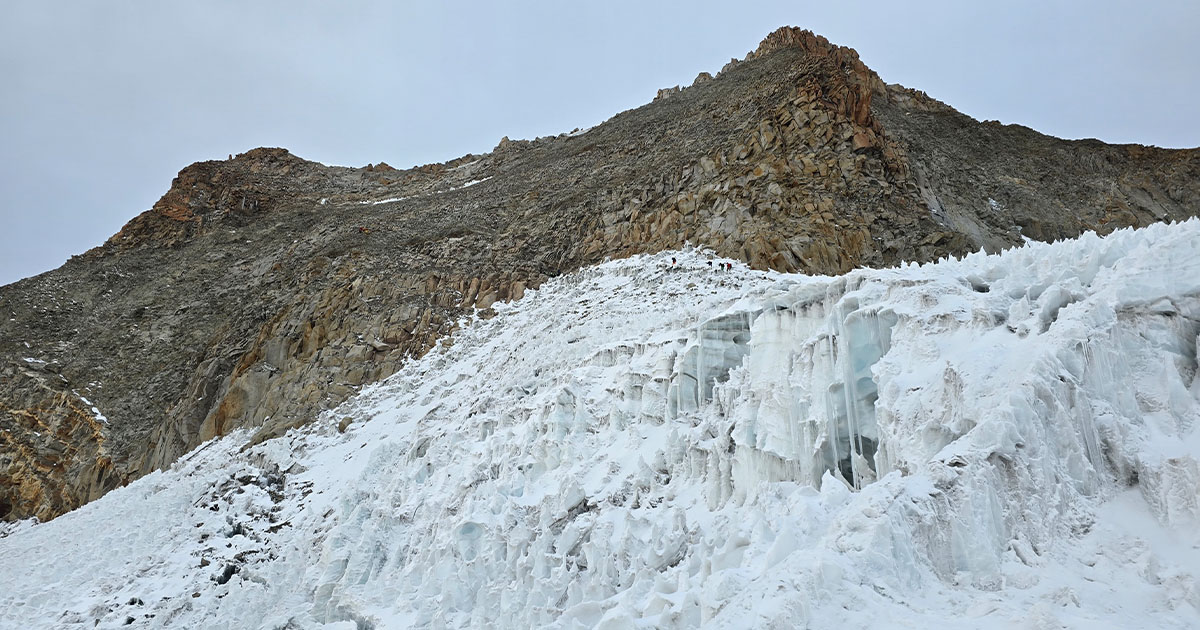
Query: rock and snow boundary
[(998, 441)]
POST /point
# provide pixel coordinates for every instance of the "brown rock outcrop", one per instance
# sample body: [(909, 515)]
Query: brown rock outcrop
[(52, 453)]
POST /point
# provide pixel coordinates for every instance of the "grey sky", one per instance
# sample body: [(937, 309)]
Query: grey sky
[(103, 103)]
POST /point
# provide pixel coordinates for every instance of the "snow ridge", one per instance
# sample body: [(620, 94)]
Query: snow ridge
[(999, 440)]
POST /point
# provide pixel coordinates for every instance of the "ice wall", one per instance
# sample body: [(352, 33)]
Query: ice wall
[(715, 347), (805, 403), (980, 407)]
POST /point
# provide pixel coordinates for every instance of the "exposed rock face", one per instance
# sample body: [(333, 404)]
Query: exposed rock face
[(263, 289), (52, 443)]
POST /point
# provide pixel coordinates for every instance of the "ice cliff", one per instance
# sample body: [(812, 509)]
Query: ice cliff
[(998, 441)]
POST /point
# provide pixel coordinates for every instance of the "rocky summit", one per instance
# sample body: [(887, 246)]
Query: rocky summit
[(264, 289)]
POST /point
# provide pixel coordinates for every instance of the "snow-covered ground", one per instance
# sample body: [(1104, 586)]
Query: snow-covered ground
[(1002, 441)]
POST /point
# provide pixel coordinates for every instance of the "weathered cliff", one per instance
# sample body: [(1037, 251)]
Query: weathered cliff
[(263, 289)]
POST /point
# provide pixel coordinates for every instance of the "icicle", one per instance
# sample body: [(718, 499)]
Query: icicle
[(700, 366), (831, 417), (680, 374), (848, 390)]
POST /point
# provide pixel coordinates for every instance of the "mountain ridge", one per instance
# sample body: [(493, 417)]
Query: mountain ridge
[(263, 289)]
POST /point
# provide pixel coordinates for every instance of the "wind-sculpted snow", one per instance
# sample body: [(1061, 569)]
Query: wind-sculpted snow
[(1000, 441)]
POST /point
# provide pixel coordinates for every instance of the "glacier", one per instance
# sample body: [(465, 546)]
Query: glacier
[(1000, 441)]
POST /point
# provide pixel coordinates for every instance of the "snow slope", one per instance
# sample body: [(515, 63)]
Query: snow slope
[(1002, 441)]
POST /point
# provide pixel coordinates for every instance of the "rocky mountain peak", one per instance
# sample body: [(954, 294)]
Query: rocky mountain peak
[(213, 191), (811, 44), (854, 97)]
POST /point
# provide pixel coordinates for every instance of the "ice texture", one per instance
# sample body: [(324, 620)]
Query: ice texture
[(1000, 441)]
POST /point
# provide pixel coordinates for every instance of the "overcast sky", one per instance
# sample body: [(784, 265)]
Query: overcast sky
[(104, 102)]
